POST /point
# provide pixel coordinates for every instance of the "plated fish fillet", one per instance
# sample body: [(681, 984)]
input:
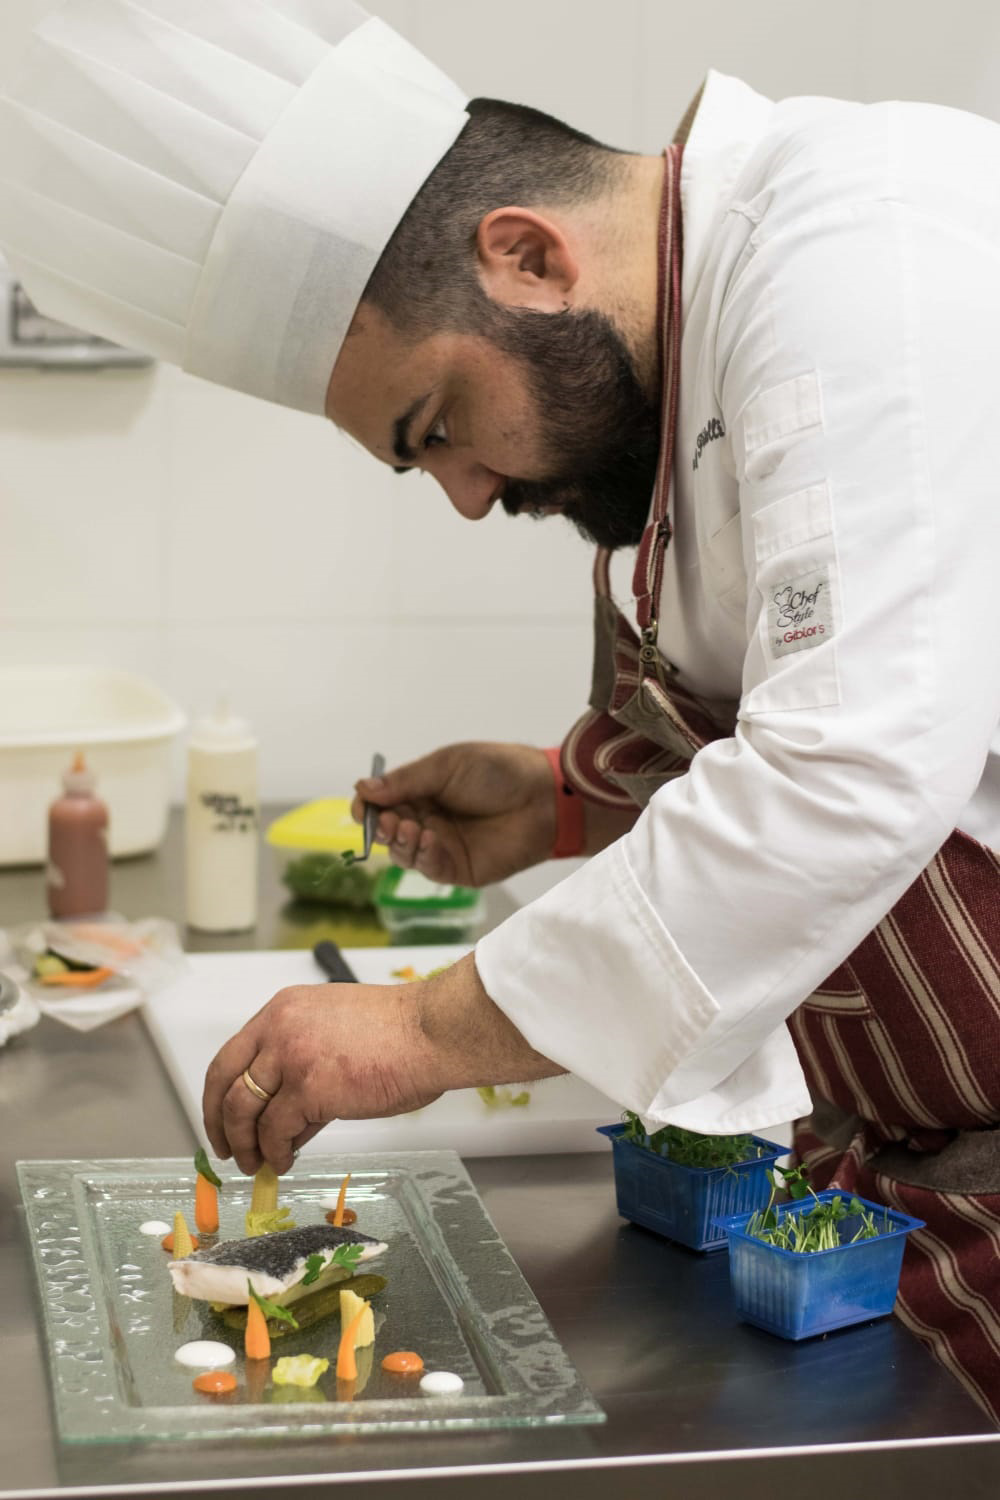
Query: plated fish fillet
[(274, 1264)]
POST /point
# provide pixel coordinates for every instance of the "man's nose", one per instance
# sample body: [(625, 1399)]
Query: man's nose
[(471, 488)]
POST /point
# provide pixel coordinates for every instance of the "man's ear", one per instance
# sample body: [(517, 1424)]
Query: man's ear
[(525, 260)]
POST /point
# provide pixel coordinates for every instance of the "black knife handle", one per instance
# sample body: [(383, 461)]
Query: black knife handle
[(333, 963)]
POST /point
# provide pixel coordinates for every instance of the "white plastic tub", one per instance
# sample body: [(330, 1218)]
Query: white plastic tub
[(124, 725)]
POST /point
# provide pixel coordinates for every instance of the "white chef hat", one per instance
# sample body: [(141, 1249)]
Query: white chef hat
[(213, 181)]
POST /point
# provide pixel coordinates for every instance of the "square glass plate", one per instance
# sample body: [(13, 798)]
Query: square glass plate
[(454, 1294)]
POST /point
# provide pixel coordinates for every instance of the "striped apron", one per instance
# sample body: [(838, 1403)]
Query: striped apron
[(900, 1046)]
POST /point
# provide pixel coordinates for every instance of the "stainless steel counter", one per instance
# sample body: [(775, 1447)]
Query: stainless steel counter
[(697, 1404)]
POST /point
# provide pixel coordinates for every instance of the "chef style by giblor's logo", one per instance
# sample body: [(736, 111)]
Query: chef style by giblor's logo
[(800, 613), (713, 429)]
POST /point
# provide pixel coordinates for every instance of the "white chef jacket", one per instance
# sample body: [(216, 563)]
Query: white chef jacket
[(834, 569)]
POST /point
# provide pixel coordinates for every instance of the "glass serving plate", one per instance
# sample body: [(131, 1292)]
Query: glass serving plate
[(113, 1320)]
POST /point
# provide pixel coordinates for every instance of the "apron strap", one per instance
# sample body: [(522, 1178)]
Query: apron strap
[(647, 579), (602, 573)]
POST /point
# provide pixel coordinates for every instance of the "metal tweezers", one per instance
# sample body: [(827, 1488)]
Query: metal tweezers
[(369, 821)]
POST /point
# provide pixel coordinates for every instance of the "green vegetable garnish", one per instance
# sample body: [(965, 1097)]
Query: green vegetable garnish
[(314, 1264), (689, 1149), (346, 1256), (311, 1308), (271, 1309), (807, 1230), (204, 1168), (495, 1098), (269, 1222), (50, 963), (327, 879)]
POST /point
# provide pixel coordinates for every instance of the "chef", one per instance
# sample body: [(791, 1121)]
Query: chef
[(766, 359)]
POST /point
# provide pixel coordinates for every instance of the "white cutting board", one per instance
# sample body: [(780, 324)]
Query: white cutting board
[(192, 1019)]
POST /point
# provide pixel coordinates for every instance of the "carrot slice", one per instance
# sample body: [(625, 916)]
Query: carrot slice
[(206, 1205), (215, 1382), (403, 1362), (338, 1213), (349, 1217), (168, 1241), (79, 979), (257, 1340), (347, 1365)]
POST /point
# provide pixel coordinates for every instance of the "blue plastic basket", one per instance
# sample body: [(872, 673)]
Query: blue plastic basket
[(797, 1296), (682, 1202)]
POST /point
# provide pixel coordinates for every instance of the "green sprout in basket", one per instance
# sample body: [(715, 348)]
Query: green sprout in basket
[(689, 1149), (807, 1230)]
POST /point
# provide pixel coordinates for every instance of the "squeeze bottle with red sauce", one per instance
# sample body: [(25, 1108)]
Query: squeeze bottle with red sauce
[(77, 873)]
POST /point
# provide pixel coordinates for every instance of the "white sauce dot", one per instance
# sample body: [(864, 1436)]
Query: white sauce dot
[(154, 1226), (205, 1354), (441, 1383)]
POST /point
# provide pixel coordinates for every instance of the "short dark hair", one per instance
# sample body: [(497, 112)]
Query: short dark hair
[(425, 279)]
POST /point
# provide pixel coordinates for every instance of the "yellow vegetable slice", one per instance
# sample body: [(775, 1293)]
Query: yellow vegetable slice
[(350, 1305), (299, 1369), (183, 1244)]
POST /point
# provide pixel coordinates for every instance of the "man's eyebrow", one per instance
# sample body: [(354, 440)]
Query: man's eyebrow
[(401, 446)]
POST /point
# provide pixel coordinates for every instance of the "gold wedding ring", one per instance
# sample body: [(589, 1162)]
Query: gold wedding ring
[(255, 1087)]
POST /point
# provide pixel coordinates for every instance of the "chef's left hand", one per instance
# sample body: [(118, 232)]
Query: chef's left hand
[(356, 1052)]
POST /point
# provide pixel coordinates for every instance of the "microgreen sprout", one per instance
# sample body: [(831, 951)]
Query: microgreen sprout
[(812, 1227), (689, 1149)]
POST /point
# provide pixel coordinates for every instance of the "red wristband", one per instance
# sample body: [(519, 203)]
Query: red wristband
[(569, 812)]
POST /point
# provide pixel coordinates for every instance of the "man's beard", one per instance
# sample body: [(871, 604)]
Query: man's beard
[(600, 432)]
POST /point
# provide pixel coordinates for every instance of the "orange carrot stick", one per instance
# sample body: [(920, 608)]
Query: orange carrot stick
[(338, 1213), (206, 1205), (79, 979), (257, 1340), (347, 1365)]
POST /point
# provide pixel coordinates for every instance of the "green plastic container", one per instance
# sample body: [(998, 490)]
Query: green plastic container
[(413, 909)]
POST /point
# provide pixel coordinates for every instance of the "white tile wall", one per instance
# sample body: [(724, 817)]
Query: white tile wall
[(152, 521)]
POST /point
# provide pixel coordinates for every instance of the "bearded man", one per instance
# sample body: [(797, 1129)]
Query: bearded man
[(783, 330)]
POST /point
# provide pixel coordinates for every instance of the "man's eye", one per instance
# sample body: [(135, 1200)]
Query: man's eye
[(437, 435)]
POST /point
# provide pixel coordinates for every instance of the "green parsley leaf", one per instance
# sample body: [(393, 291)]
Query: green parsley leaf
[(204, 1169), (271, 1309), (314, 1264), (347, 1256)]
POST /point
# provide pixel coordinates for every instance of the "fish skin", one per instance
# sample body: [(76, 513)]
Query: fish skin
[(271, 1262)]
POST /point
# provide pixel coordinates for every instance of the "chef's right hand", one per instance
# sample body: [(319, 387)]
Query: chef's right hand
[(468, 814)]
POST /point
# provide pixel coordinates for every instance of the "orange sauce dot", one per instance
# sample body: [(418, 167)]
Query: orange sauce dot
[(350, 1217), (403, 1362), (215, 1382), (168, 1241)]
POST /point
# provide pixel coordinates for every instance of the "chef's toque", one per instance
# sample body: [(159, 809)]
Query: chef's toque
[(213, 181)]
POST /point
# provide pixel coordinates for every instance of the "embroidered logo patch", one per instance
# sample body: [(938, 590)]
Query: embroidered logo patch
[(800, 612), (713, 429)]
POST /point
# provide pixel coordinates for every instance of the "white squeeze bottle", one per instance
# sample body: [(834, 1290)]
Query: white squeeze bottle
[(221, 824)]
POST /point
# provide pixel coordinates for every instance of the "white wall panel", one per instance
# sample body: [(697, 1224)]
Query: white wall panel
[(83, 495), (273, 514), (323, 697), (150, 521)]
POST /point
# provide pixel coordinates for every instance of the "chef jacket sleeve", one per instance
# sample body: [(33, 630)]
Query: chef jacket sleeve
[(857, 377)]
